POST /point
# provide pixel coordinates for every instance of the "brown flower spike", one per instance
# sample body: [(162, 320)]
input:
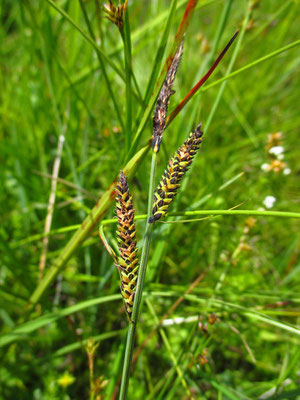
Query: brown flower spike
[(116, 14), (177, 167), (161, 109), (127, 263)]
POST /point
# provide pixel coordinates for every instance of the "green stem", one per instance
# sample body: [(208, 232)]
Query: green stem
[(258, 213), (126, 38), (220, 30), (160, 52), (86, 37), (101, 62), (169, 349), (125, 34), (140, 286), (230, 66)]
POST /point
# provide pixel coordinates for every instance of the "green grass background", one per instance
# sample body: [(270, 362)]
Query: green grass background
[(52, 84)]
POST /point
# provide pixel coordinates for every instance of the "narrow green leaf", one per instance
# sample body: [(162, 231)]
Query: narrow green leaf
[(251, 65), (28, 327)]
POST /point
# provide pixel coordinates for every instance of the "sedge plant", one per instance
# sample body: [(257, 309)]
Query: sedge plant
[(132, 272), (55, 25)]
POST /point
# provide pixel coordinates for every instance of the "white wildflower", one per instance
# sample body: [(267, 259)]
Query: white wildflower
[(280, 156), (265, 167), (276, 150), (269, 201)]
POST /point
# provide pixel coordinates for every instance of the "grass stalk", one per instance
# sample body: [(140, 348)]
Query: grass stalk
[(230, 66), (257, 213), (101, 62), (87, 38), (250, 65), (169, 349), (160, 51), (140, 285), (51, 202), (220, 29), (125, 33)]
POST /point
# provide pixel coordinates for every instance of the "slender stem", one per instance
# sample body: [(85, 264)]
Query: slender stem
[(220, 29), (88, 38), (126, 38), (230, 66), (101, 62), (258, 213), (169, 349), (125, 34), (160, 52), (140, 286), (250, 65), (152, 183)]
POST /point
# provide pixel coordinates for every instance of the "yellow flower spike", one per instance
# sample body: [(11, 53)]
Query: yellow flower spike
[(128, 264), (175, 171)]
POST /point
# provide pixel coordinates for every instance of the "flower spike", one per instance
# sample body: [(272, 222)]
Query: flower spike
[(116, 14), (177, 167), (128, 263), (161, 109)]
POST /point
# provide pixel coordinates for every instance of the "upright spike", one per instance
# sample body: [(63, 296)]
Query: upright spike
[(161, 109), (177, 167), (128, 263)]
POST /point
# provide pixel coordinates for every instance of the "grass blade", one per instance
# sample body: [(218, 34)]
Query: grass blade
[(251, 65), (28, 327), (201, 82)]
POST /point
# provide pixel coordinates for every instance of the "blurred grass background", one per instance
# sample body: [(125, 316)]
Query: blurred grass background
[(51, 85)]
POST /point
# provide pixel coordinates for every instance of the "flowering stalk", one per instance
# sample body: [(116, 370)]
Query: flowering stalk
[(175, 171), (127, 263), (159, 124)]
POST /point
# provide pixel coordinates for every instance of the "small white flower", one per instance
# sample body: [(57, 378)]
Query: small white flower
[(265, 167), (287, 171), (280, 156), (276, 150), (269, 201)]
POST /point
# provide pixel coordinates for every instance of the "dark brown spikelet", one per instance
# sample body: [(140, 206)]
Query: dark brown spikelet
[(175, 171), (161, 109), (128, 264)]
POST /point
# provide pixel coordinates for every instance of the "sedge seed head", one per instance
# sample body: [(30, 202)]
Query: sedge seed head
[(177, 167), (128, 264), (161, 109)]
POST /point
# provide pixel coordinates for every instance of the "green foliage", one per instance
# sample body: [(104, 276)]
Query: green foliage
[(68, 73)]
